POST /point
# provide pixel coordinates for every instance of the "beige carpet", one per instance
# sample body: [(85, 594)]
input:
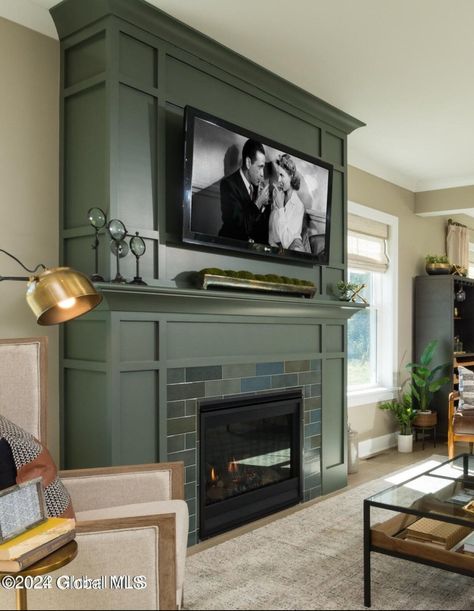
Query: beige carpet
[(312, 559)]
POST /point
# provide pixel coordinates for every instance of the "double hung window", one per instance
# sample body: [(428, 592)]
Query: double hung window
[(371, 245)]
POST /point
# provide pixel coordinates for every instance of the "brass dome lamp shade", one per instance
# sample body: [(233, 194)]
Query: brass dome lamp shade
[(58, 294)]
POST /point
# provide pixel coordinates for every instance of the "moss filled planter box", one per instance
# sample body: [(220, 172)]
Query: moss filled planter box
[(215, 281)]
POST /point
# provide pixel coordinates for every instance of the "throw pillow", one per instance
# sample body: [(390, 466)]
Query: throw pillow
[(466, 388), (32, 460), (7, 466)]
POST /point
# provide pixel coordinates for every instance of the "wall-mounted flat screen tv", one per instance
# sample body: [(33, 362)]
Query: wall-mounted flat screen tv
[(244, 192)]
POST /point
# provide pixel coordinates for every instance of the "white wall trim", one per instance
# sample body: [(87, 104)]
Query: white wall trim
[(377, 444)]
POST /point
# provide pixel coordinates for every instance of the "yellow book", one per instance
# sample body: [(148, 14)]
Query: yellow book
[(39, 535)]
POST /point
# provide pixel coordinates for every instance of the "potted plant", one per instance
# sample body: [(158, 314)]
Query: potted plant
[(424, 381), (404, 412), (437, 264)]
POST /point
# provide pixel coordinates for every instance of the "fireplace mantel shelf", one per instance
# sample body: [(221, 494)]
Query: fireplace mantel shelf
[(184, 300)]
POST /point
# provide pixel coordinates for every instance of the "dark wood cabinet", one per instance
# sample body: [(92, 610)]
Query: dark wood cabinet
[(436, 298)]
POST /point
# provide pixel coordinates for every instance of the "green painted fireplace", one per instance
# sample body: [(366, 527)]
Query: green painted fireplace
[(128, 390)]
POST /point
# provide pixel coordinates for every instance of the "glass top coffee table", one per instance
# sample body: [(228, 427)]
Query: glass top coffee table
[(440, 493)]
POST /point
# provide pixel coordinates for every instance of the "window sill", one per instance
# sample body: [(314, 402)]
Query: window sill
[(370, 395)]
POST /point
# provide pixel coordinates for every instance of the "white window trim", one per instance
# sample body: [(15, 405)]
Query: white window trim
[(385, 389)]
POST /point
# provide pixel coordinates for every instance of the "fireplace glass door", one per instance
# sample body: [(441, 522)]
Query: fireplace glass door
[(250, 459)]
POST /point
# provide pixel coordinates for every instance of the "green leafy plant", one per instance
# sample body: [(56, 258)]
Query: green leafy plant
[(345, 289), (426, 380), (403, 411), (436, 259), (423, 382)]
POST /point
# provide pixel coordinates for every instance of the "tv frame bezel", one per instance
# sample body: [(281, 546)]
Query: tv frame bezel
[(239, 246)]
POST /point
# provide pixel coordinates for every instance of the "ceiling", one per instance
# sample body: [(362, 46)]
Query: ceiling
[(404, 67)]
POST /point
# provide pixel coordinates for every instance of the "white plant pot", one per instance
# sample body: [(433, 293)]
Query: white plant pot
[(405, 443)]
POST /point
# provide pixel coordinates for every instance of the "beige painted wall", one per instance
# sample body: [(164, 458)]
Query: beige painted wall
[(29, 172), (417, 237)]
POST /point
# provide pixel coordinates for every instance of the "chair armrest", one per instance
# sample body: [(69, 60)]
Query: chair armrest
[(112, 486), (165, 533), (125, 549), (451, 409)]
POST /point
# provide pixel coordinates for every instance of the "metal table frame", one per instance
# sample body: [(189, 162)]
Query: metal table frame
[(369, 547)]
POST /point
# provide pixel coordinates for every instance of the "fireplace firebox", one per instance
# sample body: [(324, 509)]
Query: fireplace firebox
[(250, 461)]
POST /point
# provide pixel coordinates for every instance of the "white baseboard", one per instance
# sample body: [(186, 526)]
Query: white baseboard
[(377, 444)]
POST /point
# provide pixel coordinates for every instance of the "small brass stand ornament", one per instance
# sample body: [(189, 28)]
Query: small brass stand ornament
[(118, 246), (98, 219), (138, 248), (350, 291)]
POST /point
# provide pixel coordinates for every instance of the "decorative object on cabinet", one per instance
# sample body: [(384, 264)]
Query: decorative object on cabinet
[(437, 264), (58, 294), (118, 246), (138, 248), (243, 280), (460, 295), (98, 220), (350, 291)]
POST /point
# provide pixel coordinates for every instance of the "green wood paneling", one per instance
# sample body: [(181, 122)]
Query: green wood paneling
[(84, 60), (85, 160), (86, 426), (334, 147), (138, 61), (138, 417), (333, 425), (331, 277), (85, 340), (79, 254), (338, 214), (334, 338), (138, 340), (187, 85), (136, 177), (218, 339)]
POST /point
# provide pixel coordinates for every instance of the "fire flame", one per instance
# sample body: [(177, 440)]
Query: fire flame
[(213, 475), (233, 467)]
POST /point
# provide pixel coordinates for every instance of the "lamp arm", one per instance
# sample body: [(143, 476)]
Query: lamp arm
[(32, 271), (22, 278)]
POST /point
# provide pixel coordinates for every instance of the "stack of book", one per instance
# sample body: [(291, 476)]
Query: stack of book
[(436, 533), (24, 550)]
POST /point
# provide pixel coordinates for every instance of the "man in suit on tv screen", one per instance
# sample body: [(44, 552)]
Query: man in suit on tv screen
[(244, 198)]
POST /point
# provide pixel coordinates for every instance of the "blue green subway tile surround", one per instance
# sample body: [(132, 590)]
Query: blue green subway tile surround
[(176, 376), (296, 366), (265, 369), (257, 383), (286, 380), (200, 374), (186, 386)]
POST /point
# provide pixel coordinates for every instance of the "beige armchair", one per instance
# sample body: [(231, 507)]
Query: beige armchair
[(131, 521)]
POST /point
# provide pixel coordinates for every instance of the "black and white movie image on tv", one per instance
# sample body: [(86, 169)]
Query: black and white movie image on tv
[(246, 192)]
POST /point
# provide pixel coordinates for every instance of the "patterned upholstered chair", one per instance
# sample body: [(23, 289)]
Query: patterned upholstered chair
[(131, 521)]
